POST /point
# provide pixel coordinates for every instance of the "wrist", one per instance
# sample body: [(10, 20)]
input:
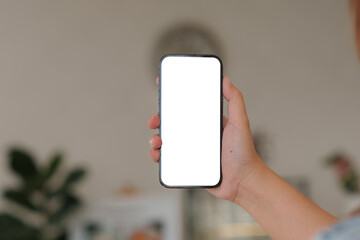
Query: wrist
[(248, 185)]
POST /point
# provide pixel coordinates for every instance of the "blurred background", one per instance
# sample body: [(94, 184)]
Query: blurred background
[(77, 83)]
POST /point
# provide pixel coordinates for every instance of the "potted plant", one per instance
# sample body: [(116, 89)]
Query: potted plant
[(43, 192)]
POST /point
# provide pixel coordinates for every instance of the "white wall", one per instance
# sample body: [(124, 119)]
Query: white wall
[(77, 75)]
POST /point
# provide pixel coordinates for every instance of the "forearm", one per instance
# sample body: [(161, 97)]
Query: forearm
[(278, 207)]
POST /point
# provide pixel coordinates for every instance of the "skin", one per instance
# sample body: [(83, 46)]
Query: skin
[(280, 209)]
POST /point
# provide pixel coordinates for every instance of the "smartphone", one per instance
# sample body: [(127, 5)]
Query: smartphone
[(190, 109)]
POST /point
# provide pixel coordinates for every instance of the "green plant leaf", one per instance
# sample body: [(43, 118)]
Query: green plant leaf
[(54, 164), (9, 221), (20, 197), (73, 176), (22, 163), (62, 236), (69, 204), (12, 228)]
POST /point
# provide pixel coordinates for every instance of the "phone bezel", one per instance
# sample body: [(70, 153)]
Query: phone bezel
[(221, 117)]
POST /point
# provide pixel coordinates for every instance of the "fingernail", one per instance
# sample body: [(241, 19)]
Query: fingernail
[(151, 141)]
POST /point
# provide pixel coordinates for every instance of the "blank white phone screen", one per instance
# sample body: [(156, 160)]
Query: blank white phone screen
[(190, 127)]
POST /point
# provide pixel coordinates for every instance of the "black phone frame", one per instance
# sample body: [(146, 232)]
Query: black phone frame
[(221, 118)]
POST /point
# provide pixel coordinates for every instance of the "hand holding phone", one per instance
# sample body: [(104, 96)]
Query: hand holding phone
[(239, 158)]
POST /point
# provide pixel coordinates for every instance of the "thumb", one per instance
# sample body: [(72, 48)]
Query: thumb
[(236, 105)]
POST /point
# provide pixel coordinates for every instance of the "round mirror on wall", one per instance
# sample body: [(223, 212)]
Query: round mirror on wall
[(188, 38)]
